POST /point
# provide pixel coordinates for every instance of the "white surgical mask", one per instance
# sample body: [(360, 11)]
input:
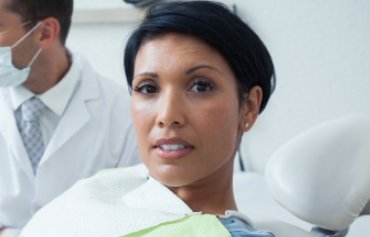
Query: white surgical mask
[(10, 76)]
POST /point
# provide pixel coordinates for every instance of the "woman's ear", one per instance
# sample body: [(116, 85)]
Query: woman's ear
[(49, 32), (250, 107)]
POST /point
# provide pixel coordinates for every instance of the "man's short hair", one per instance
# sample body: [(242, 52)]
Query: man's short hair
[(36, 10)]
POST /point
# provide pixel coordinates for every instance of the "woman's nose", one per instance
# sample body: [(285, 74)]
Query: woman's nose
[(171, 110)]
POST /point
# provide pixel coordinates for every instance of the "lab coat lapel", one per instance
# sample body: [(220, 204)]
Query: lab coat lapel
[(154, 196), (76, 114), (8, 128)]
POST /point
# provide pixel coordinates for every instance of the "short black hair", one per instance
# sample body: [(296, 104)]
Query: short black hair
[(36, 10), (218, 27)]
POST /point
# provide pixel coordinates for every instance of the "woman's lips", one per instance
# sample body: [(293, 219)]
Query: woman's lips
[(172, 148)]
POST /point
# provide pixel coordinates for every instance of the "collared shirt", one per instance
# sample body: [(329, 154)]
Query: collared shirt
[(238, 227), (56, 100)]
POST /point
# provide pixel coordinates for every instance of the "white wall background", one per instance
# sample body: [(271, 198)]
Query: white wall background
[(320, 48)]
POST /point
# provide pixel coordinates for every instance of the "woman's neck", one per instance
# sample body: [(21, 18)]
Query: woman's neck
[(212, 195)]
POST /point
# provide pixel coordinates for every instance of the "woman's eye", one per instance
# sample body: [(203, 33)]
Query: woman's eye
[(201, 86), (146, 88)]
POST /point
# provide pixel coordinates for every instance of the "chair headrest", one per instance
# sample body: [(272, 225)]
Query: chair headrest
[(323, 175)]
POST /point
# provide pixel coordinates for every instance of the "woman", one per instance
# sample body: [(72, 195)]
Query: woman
[(199, 78)]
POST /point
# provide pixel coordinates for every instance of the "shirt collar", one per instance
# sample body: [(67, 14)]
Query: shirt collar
[(56, 98), (18, 95)]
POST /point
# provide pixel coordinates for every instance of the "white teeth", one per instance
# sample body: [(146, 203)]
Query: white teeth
[(172, 147)]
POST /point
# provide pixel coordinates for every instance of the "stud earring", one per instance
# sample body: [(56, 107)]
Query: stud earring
[(246, 125)]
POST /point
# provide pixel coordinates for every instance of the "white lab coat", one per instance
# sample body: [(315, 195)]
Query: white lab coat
[(94, 133)]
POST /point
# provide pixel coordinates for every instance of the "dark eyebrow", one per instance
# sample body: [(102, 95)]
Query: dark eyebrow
[(149, 74), (189, 71), (193, 69)]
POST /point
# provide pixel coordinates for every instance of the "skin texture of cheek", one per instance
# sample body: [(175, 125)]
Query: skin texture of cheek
[(220, 133), (141, 113), (219, 122)]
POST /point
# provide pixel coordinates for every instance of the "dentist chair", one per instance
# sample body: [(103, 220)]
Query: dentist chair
[(322, 177)]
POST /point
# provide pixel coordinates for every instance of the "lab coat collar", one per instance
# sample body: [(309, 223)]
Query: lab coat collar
[(164, 200), (76, 115), (57, 97)]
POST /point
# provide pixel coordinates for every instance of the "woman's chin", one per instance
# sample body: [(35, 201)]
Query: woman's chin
[(172, 179)]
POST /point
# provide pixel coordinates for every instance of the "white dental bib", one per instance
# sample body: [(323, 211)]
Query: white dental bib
[(111, 203)]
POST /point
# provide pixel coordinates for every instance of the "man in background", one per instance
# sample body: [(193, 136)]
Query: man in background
[(59, 120)]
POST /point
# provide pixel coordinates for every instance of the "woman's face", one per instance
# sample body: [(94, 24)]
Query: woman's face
[(186, 110)]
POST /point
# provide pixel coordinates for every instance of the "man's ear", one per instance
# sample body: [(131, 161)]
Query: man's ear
[(250, 107), (49, 32)]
